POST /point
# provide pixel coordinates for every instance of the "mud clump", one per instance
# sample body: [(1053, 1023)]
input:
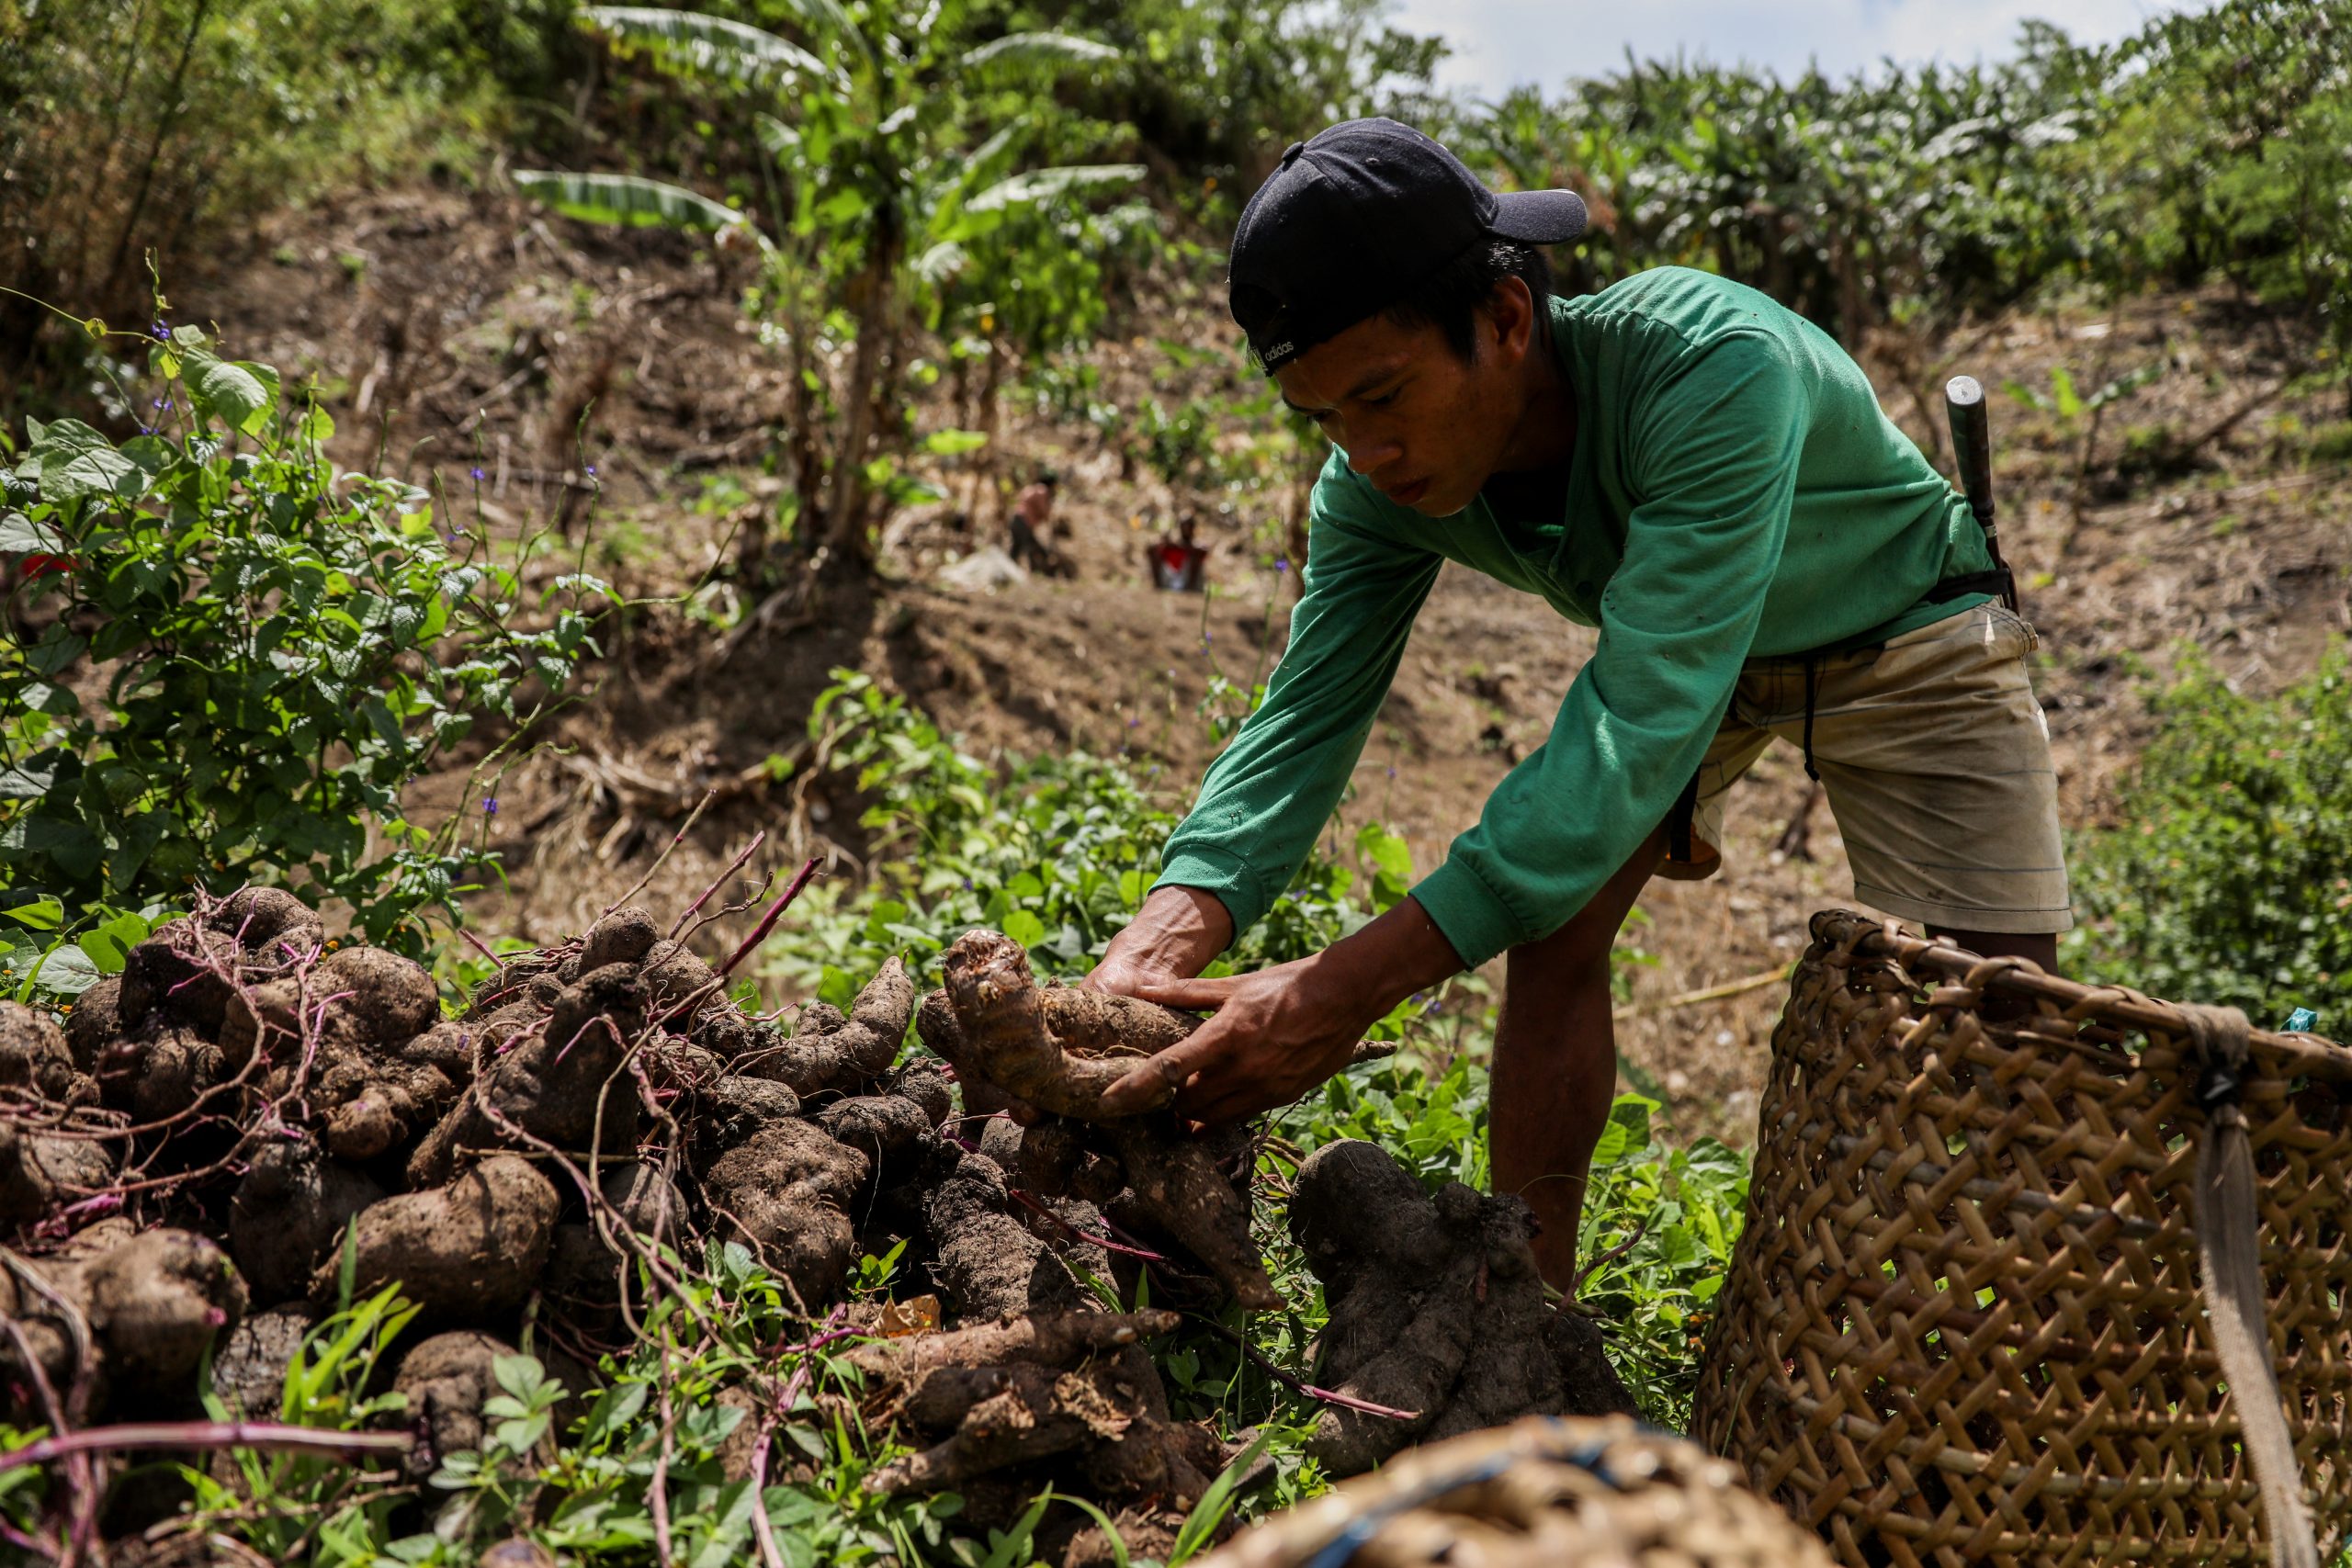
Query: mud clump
[(151, 1304), (786, 1192), (288, 1217), (1045, 1399), (445, 1381), (1058, 1049), (249, 1369), (1436, 1309), (465, 1252)]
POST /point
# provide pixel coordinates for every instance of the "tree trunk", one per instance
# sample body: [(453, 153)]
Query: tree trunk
[(844, 534), (982, 496)]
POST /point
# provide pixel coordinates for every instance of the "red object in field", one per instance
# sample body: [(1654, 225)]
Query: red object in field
[(1177, 567), (35, 566)]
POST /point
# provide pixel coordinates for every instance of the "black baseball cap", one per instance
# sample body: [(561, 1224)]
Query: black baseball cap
[(1354, 219)]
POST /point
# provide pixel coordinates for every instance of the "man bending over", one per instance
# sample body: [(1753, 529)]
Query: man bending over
[(1677, 460)]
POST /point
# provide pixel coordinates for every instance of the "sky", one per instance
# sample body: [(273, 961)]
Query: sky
[(1499, 43)]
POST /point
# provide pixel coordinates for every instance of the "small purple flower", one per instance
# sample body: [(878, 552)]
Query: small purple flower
[(146, 430), (1133, 721), (1392, 772), (160, 331), (163, 403), (456, 538), (592, 471), (489, 806), (475, 473), (1281, 563)]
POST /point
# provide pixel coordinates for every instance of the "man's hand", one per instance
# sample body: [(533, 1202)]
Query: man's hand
[(1280, 1031), (1172, 937)]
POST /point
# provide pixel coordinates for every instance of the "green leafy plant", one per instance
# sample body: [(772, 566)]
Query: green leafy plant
[(242, 657), (492, 1485), (1659, 1225), (897, 136), (2225, 880), (285, 1499)]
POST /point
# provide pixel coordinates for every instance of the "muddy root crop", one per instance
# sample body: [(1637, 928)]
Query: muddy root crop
[(1057, 1048), (1436, 1309), (246, 1123), (1061, 1399)]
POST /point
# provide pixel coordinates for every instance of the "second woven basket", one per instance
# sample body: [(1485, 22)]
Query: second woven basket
[(1964, 1323)]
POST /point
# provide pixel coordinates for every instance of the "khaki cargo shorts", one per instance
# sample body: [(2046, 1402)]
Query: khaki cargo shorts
[(1936, 759)]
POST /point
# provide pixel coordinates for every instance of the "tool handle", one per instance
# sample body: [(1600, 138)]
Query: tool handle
[(1972, 442)]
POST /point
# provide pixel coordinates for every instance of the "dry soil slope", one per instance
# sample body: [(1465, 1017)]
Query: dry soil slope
[(449, 329)]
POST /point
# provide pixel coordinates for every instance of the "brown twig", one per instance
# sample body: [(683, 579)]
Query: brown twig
[(1710, 994), (1616, 1254), (475, 943), (767, 921), (658, 1488), (676, 839), (743, 856), (203, 1435), (769, 1555), (1299, 1385)]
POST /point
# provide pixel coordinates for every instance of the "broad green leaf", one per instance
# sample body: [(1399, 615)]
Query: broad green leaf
[(1387, 852), (109, 946), (775, 136), (953, 443), (45, 913), (629, 201), (76, 461), (241, 392), (64, 971), (1037, 48), (941, 262), (20, 533), (706, 45), (828, 21), (1044, 184), (1025, 928), (520, 1376), (30, 780)]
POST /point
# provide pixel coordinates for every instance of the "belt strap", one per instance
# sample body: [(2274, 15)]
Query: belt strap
[(1998, 582), (2230, 1262)]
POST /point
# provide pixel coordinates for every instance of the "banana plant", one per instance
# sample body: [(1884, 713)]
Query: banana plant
[(899, 142)]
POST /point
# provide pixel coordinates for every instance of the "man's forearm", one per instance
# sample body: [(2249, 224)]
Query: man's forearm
[(1175, 935), (1400, 953)]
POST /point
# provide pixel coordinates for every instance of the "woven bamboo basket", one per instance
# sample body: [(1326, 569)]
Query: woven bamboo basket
[(1543, 1491), (1963, 1323)]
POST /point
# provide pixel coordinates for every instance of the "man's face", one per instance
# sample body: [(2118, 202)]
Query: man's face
[(1410, 415)]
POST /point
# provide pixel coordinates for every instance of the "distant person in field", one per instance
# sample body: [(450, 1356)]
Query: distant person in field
[(1180, 565), (1033, 515), (1677, 460)]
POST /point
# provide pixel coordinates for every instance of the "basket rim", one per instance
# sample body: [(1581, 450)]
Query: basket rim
[(1971, 974)]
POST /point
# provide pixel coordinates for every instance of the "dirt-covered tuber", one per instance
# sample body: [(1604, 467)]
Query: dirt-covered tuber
[(1436, 1309), (468, 1252), (830, 1053)]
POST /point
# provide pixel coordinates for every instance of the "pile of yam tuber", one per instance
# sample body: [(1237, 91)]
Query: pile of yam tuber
[(250, 1120)]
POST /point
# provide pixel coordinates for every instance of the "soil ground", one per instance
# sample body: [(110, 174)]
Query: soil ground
[(450, 331)]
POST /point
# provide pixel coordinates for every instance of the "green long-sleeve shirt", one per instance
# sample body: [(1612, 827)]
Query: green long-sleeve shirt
[(1736, 492)]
